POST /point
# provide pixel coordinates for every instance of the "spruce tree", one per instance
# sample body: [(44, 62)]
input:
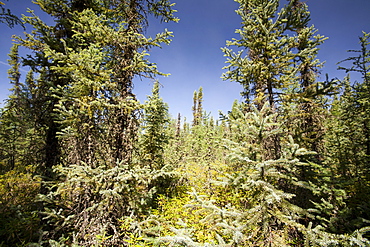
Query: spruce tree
[(18, 160), (155, 124), (262, 62), (156, 134), (8, 18), (276, 62), (12, 116), (86, 64), (347, 144), (276, 49), (42, 38), (197, 107), (19, 134), (257, 211), (305, 98)]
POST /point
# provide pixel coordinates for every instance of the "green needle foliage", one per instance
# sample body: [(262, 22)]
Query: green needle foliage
[(153, 140), (197, 107), (84, 163), (155, 135), (263, 60), (348, 142), (85, 64), (19, 142), (270, 217), (8, 18)]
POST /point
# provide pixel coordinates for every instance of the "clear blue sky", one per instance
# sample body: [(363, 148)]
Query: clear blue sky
[(194, 58)]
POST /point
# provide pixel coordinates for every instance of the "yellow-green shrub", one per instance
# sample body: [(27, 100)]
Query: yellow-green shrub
[(18, 217)]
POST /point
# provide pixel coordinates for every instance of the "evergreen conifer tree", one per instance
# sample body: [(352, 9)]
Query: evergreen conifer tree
[(304, 99), (347, 144), (262, 214), (275, 51), (18, 160), (7, 17), (19, 134), (86, 64), (197, 107), (263, 64), (155, 124)]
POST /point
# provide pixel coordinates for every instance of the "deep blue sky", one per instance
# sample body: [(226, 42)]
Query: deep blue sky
[(194, 58)]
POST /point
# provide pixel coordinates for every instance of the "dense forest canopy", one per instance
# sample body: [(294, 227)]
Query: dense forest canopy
[(84, 163)]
